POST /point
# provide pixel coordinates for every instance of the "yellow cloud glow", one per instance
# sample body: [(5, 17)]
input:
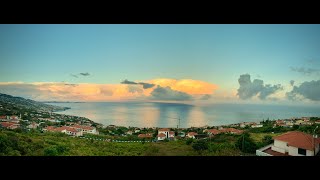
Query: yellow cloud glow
[(189, 86)]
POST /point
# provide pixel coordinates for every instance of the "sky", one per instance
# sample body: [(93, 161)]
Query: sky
[(195, 63)]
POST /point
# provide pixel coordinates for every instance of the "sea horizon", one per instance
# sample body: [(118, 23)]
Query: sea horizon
[(167, 114)]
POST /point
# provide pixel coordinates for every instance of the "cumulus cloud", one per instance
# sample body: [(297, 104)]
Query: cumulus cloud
[(305, 71), (166, 93), (189, 86), (205, 97), (144, 85), (292, 82), (308, 89), (249, 89), (84, 74)]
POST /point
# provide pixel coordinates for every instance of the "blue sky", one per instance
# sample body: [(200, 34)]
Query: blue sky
[(216, 54)]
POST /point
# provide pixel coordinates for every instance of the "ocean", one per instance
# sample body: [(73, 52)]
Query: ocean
[(153, 114)]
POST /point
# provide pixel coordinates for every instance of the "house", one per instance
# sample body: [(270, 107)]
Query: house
[(129, 132), (231, 131), (147, 135), (317, 122), (86, 129), (33, 125), (161, 137), (10, 125), (164, 131), (212, 132), (3, 117), (71, 131), (192, 135), (171, 134), (256, 125), (293, 143), (65, 129)]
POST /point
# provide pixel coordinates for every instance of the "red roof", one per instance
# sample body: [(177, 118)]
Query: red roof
[(148, 135), (298, 139), (171, 132), (192, 133), (164, 129), (82, 127), (213, 131), (233, 130), (161, 135), (7, 124)]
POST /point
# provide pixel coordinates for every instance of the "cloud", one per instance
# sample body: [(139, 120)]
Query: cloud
[(166, 93), (84, 74), (189, 86), (292, 82), (249, 89), (305, 71), (308, 89), (205, 97), (127, 90), (73, 75), (128, 82), (144, 85)]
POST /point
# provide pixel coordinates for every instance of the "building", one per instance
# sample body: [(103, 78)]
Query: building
[(161, 137), (293, 143), (212, 132), (147, 135), (10, 125), (86, 129), (164, 131), (65, 129), (192, 135), (33, 125)]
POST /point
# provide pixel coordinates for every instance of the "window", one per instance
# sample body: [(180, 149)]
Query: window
[(302, 151)]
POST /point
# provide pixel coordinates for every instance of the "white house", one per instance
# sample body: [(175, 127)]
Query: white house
[(161, 137), (86, 129), (192, 135), (164, 131), (293, 143)]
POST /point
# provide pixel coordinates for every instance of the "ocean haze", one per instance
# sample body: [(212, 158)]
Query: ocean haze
[(155, 114)]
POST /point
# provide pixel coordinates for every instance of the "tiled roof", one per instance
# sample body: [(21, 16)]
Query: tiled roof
[(164, 129), (7, 124), (161, 135), (297, 139), (148, 135), (192, 133), (214, 131), (171, 132)]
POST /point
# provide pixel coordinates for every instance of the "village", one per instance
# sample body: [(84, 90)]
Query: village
[(288, 143)]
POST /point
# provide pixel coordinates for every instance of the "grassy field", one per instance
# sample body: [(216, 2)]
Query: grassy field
[(257, 137)]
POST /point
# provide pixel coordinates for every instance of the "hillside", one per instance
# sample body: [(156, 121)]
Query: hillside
[(11, 103)]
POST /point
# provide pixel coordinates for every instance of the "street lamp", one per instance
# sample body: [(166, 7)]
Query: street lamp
[(313, 138)]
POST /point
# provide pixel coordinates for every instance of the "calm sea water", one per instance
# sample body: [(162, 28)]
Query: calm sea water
[(150, 114)]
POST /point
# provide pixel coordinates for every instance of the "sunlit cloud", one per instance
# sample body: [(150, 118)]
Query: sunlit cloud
[(166, 90), (189, 86)]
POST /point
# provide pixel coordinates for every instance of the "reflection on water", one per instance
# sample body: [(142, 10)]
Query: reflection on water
[(142, 114)]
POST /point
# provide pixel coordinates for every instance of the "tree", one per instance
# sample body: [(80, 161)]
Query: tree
[(200, 146), (246, 144), (267, 140), (189, 141)]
